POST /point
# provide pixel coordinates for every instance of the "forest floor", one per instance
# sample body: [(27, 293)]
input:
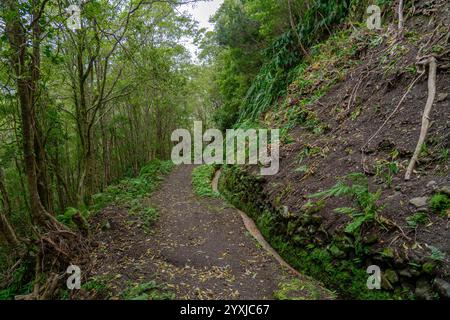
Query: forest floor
[(197, 249)]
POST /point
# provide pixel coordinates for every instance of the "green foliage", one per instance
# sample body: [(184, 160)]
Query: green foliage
[(358, 188), (147, 291), (237, 61), (131, 189), (347, 276), (20, 282), (328, 63), (260, 50), (436, 254), (284, 54), (67, 217), (419, 218), (440, 202), (386, 171), (443, 155), (149, 217), (134, 190), (307, 152), (201, 181), (98, 287)]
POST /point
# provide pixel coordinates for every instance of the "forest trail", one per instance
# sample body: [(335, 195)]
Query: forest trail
[(198, 249)]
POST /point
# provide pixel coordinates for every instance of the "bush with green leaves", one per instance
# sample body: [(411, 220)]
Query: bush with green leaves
[(149, 216), (68, 216), (18, 281), (386, 171)]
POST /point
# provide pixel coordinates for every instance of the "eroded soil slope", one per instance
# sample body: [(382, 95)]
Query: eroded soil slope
[(366, 129)]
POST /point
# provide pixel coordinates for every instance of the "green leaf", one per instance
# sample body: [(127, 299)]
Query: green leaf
[(356, 224), (346, 210)]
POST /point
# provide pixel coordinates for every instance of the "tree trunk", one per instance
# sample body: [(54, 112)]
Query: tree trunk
[(4, 194), (8, 232), (27, 75)]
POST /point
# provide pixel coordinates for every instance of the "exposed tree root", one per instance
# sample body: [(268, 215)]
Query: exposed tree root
[(55, 251), (426, 115)]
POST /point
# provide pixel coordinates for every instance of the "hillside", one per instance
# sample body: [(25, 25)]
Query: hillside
[(341, 202)]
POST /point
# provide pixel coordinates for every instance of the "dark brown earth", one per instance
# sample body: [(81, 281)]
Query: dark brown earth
[(354, 110), (198, 249)]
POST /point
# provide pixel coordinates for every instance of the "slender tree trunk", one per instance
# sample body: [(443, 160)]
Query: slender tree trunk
[(105, 153), (8, 232), (5, 226), (400, 20), (44, 186), (4, 194), (26, 73)]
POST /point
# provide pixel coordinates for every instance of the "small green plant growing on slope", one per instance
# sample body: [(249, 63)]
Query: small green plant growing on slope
[(386, 171), (436, 254), (202, 177), (366, 201), (69, 216), (98, 286), (417, 219), (440, 203)]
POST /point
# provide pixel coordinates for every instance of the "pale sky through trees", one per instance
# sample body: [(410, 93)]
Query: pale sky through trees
[(201, 12)]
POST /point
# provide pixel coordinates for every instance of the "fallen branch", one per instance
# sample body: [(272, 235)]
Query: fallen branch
[(426, 115)]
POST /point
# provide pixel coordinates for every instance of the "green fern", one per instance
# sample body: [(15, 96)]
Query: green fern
[(357, 186)]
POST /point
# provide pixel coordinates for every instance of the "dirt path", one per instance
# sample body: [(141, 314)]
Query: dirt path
[(199, 248)]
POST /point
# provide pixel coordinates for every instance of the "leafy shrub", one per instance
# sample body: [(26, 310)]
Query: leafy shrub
[(97, 286), (149, 217), (19, 282), (67, 217)]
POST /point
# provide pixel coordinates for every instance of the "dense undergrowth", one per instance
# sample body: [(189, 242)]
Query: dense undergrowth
[(201, 181), (129, 191), (288, 55), (274, 76)]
